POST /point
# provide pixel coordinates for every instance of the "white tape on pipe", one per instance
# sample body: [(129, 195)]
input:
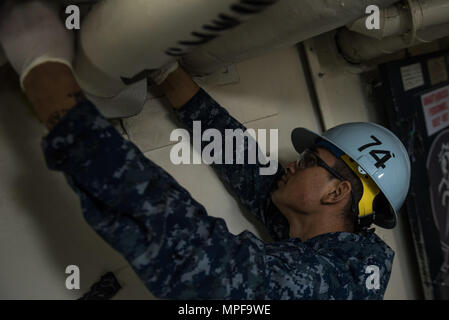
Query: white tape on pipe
[(121, 39)]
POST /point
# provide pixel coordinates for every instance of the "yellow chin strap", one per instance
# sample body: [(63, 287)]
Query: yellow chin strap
[(370, 189)]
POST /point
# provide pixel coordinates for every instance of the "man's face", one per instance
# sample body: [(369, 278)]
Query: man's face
[(301, 189)]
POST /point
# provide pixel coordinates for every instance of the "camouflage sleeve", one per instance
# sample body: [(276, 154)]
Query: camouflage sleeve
[(175, 248), (249, 186)]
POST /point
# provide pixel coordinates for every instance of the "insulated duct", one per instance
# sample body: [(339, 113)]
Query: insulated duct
[(121, 38), (404, 16), (3, 59), (284, 24), (403, 25)]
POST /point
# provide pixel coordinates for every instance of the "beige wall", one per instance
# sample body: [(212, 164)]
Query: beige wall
[(41, 228)]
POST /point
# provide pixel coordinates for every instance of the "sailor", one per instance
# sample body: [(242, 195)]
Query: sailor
[(319, 209)]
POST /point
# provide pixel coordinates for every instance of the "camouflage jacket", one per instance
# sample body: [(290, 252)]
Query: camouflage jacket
[(176, 248)]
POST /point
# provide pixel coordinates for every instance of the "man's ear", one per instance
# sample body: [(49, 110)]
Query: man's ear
[(337, 192)]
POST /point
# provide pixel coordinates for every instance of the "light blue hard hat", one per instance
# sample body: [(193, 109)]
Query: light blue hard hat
[(379, 153)]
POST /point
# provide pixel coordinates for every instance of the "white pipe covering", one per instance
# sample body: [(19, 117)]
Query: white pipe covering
[(121, 37), (397, 19), (284, 24), (394, 20), (357, 48)]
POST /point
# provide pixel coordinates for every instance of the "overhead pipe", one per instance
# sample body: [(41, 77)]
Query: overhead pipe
[(405, 16), (357, 48), (121, 38), (282, 25)]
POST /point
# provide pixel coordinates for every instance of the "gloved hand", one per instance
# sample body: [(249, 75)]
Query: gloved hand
[(32, 33)]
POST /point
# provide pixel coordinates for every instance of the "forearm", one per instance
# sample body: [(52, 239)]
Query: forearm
[(250, 187), (179, 88), (53, 91)]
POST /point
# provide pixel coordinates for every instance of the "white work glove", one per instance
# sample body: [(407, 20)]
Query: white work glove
[(32, 33)]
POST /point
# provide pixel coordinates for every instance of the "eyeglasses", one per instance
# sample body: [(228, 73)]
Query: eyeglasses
[(308, 159)]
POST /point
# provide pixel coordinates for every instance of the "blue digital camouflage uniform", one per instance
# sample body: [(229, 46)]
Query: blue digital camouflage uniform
[(180, 252)]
